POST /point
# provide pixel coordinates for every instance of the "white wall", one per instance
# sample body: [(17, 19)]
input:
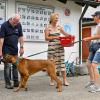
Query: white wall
[(10, 8), (73, 19)]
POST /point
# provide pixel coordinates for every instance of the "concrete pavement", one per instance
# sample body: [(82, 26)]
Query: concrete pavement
[(39, 89)]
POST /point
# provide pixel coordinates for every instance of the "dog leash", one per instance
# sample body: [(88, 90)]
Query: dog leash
[(52, 49), (36, 53)]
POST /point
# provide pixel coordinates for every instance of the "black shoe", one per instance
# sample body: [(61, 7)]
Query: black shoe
[(9, 86), (16, 84)]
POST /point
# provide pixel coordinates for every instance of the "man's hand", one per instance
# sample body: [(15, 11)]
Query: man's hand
[(0, 56), (0, 59), (21, 51)]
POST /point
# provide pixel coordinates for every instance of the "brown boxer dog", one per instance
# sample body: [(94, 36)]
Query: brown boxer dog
[(27, 67)]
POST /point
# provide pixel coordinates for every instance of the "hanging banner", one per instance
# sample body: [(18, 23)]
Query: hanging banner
[(2, 12), (34, 19)]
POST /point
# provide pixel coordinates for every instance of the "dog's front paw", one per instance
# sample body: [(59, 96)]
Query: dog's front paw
[(59, 90), (16, 90)]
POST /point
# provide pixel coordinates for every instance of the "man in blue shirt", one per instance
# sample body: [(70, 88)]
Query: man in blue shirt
[(10, 35)]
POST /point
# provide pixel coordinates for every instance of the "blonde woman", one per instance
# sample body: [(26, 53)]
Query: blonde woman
[(52, 34)]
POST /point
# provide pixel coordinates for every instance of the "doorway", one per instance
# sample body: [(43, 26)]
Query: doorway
[(86, 32)]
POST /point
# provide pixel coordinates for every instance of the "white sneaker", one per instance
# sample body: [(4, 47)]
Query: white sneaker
[(97, 89), (94, 89), (89, 84)]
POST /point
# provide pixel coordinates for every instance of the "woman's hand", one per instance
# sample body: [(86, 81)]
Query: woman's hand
[(56, 37)]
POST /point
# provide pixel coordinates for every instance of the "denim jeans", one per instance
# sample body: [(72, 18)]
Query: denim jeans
[(94, 57), (94, 47), (10, 73)]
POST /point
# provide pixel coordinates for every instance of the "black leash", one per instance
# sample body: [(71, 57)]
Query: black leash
[(36, 53), (51, 49)]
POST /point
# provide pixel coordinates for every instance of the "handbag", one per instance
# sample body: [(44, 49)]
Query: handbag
[(94, 47)]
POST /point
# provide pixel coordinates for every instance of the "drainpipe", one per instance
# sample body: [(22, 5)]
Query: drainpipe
[(80, 32)]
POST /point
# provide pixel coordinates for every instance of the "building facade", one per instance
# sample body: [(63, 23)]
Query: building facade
[(35, 15)]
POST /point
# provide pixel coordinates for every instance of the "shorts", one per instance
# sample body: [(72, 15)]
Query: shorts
[(94, 57)]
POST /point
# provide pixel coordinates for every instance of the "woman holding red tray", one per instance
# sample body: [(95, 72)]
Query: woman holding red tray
[(55, 49)]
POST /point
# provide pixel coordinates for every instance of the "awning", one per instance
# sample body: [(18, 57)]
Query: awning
[(91, 11)]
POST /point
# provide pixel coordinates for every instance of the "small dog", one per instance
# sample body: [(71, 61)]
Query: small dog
[(27, 67)]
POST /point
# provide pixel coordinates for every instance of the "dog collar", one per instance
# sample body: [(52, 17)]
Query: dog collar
[(18, 60)]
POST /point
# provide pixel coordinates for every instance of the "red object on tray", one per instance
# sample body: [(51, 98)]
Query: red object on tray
[(67, 41)]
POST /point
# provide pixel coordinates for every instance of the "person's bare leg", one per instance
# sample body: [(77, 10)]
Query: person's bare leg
[(95, 88), (64, 78), (90, 70), (96, 73), (91, 75), (52, 80)]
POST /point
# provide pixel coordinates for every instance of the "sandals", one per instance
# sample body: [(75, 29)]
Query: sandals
[(66, 83), (52, 83)]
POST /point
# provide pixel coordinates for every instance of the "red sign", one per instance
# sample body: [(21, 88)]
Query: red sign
[(98, 0), (67, 12)]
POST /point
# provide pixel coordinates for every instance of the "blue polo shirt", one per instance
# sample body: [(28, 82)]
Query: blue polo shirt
[(10, 35)]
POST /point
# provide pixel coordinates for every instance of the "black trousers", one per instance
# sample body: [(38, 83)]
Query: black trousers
[(10, 73)]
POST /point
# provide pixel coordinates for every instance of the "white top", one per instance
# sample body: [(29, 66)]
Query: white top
[(95, 31)]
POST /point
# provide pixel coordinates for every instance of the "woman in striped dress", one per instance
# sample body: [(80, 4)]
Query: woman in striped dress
[(55, 50)]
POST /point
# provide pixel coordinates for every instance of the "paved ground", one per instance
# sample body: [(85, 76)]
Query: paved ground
[(39, 89)]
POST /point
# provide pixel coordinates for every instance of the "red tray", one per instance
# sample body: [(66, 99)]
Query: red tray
[(67, 41)]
